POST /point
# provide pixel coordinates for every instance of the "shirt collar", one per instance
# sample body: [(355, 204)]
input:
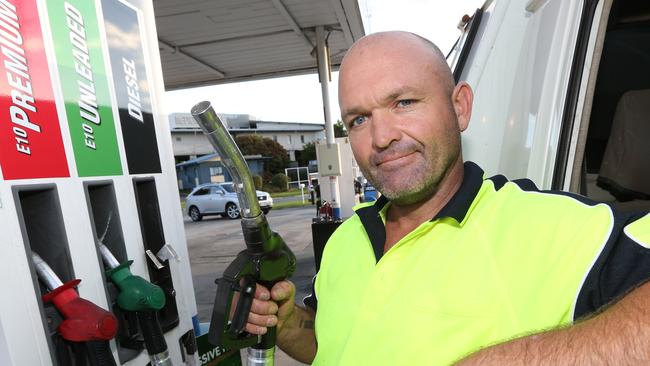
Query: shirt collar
[(460, 202), (456, 208)]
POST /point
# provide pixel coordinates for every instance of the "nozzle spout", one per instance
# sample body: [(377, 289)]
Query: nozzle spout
[(232, 158)]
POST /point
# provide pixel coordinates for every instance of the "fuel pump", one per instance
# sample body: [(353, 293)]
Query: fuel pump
[(144, 299), (85, 323), (266, 259)]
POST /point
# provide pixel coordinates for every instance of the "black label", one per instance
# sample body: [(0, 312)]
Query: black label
[(131, 87)]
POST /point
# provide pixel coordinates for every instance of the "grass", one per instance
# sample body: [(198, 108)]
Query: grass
[(291, 193), (277, 206), (281, 205)]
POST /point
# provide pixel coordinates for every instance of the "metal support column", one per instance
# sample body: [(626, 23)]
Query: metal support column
[(324, 73)]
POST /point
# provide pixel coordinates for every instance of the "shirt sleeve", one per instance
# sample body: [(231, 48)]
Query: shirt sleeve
[(623, 264), (310, 300)]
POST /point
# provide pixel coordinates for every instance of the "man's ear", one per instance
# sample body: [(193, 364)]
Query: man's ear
[(462, 98)]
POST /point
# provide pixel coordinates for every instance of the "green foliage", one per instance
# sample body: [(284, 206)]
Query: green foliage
[(270, 189), (257, 180), (280, 181), (307, 153), (257, 145), (339, 129), (266, 177)]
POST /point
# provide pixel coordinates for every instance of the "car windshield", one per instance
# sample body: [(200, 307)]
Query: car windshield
[(228, 187)]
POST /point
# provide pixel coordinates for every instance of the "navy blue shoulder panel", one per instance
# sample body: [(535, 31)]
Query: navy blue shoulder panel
[(498, 181), (622, 266), (526, 185)]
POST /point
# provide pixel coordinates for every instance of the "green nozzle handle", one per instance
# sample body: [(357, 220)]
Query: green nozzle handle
[(136, 293)]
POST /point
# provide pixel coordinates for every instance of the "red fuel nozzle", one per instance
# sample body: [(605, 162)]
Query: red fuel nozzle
[(84, 321)]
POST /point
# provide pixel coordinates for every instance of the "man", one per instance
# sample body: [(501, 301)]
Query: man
[(448, 266)]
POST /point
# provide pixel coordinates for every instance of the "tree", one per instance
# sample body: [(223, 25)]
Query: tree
[(280, 181), (257, 145), (339, 129), (307, 153)]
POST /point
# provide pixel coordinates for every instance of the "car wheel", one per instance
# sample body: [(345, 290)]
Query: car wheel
[(195, 214), (232, 211), (266, 210)]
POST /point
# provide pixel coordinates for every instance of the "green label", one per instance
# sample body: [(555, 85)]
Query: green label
[(85, 86)]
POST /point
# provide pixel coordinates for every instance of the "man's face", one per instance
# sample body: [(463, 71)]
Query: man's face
[(401, 122)]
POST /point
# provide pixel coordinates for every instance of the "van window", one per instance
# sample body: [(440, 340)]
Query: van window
[(612, 161), (460, 51)]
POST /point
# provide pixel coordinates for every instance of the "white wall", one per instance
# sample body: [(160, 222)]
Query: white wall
[(195, 143)]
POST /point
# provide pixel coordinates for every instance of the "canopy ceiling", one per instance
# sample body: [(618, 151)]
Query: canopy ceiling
[(207, 42)]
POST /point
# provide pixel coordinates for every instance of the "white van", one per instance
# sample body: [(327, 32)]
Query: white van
[(562, 94)]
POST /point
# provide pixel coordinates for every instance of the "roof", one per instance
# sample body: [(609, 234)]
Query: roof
[(207, 42), (179, 122), (264, 126), (200, 159), (215, 157)]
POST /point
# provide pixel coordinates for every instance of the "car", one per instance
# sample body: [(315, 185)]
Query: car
[(220, 199)]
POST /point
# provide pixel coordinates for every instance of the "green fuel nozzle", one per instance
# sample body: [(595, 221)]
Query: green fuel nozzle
[(266, 260), (136, 293), (144, 299)]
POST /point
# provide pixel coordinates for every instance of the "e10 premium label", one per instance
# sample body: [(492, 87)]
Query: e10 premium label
[(30, 135)]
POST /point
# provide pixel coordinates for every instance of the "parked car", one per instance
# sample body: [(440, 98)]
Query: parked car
[(220, 199)]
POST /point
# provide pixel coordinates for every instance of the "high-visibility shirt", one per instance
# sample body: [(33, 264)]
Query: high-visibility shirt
[(500, 260)]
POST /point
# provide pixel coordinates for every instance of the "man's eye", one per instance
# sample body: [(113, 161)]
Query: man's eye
[(405, 102), (357, 120)]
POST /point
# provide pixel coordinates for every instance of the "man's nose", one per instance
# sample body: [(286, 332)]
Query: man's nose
[(384, 129)]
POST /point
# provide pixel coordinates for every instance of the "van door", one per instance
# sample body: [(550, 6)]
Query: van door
[(524, 63), (608, 154)]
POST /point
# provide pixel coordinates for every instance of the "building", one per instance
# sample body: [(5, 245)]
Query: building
[(188, 141), (209, 169)]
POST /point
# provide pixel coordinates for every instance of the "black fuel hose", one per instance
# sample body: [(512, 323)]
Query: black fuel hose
[(154, 339)]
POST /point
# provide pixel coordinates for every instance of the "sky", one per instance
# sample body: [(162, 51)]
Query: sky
[(298, 98)]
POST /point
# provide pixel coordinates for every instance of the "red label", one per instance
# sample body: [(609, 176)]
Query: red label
[(30, 135)]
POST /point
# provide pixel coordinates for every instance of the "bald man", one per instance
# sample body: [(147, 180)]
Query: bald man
[(449, 266)]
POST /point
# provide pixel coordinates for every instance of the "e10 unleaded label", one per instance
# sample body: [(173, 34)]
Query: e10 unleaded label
[(85, 86), (131, 86), (30, 135)]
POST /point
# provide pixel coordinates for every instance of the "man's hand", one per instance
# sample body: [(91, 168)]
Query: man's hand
[(271, 308), (295, 325)]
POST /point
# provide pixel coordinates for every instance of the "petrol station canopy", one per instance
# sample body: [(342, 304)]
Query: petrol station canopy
[(208, 42)]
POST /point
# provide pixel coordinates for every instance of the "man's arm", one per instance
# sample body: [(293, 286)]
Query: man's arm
[(297, 337), (619, 335), (295, 324)]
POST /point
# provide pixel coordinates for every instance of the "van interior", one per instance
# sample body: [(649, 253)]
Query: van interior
[(616, 161)]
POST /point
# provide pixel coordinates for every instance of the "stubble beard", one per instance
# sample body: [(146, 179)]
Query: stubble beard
[(415, 182)]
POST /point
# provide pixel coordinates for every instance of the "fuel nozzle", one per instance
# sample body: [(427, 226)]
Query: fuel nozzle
[(84, 322), (136, 293), (266, 260), (144, 299)]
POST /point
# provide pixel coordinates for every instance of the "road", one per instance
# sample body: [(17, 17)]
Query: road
[(214, 242)]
